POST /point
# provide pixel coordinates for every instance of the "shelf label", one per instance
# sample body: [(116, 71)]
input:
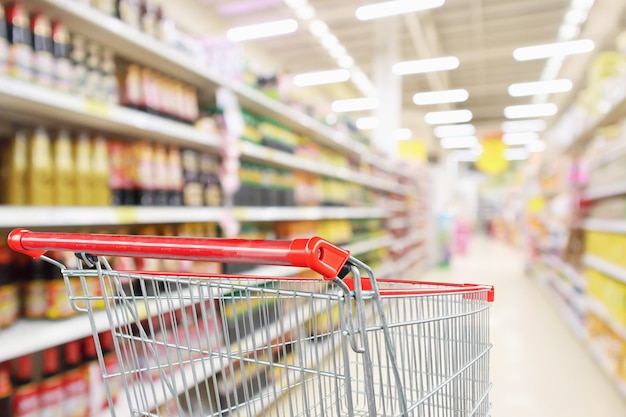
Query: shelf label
[(97, 108), (126, 215)]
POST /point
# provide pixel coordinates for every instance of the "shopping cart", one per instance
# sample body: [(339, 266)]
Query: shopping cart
[(195, 344)]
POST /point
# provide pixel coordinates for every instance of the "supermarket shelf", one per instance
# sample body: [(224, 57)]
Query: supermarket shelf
[(604, 191), (14, 216), (601, 225), (287, 160), (143, 49), (568, 271), (557, 299), (30, 336), (599, 310), (616, 113), (605, 364), (605, 267), (43, 103), (412, 239)]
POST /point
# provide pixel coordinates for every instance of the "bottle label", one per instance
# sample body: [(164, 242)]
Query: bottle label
[(44, 64), (76, 394), (4, 56), (21, 61), (9, 304), (63, 74), (35, 300), (26, 401), (59, 305), (5, 381), (51, 397)]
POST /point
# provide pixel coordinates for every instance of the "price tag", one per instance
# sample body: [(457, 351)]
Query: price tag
[(97, 108), (126, 215)]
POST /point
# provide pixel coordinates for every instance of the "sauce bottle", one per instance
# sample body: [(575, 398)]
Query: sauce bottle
[(14, 170), (4, 43), (148, 18), (6, 390), (131, 91), (83, 175), (58, 305), (51, 388), (40, 170), (160, 175), (112, 367), (76, 388), (100, 172), (9, 298), (128, 12), (175, 177), (192, 191), (116, 168), (93, 82), (109, 79), (61, 46), (20, 48), (78, 58), (32, 273), (41, 31), (145, 181), (64, 182), (25, 392)]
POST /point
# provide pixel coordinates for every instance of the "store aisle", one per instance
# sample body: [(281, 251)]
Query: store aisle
[(538, 367)]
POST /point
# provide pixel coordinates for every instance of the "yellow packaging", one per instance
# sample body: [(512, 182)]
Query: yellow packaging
[(40, 171), (83, 174), (63, 178), (14, 169)]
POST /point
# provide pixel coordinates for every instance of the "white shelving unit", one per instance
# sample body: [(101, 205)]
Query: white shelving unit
[(605, 267), (609, 226), (604, 191), (29, 216)]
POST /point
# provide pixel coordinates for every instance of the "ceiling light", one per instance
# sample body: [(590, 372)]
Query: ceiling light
[(553, 49), (329, 40), (536, 146), (520, 138), (296, 3), (337, 50), (441, 97), (530, 110), (421, 66), (305, 12), (446, 117), (575, 16), (454, 130), (318, 28), (582, 4), (345, 61), (402, 134), (478, 150), (395, 7), (540, 87), (321, 77), (355, 104), (459, 142), (515, 154), (568, 32), (262, 30), (515, 126), (366, 123)]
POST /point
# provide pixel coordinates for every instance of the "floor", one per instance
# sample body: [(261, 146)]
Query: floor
[(538, 367)]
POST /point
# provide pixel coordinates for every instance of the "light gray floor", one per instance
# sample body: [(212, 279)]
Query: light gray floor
[(538, 367)]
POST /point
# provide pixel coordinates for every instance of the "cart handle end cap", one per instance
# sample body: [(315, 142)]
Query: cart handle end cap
[(319, 255), (15, 242)]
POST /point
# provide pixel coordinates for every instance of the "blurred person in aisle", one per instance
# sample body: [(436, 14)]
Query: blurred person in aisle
[(462, 234)]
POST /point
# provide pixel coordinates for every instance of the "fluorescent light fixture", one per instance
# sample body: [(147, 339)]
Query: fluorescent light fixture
[(441, 97), (321, 77), (262, 30), (402, 134), (530, 110), (366, 123), (568, 32), (536, 146), (515, 154), (576, 16), (521, 138), (447, 117), (337, 50), (459, 142), (329, 40), (345, 61), (540, 87), (531, 125), (422, 66), (454, 130), (464, 156), (548, 50), (318, 28), (395, 7), (582, 4), (355, 104), (305, 12), (296, 3)]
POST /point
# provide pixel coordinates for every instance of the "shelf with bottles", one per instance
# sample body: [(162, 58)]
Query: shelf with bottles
[(195, 67)]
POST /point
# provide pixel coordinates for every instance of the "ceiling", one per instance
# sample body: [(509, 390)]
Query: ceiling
[(481, 33)]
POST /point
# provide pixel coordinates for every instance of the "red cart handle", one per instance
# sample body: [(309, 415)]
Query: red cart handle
[(314, 253)]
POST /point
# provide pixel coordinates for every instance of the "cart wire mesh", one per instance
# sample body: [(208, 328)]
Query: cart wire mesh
[(262, 346)]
